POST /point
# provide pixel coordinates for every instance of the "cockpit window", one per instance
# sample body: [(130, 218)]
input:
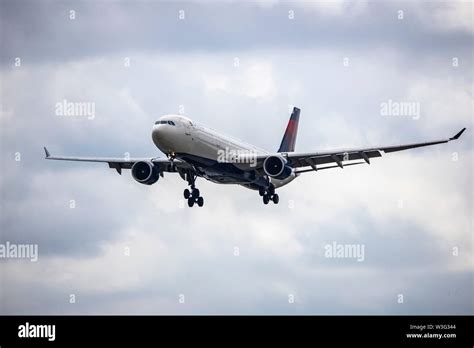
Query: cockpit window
[(171, 123)]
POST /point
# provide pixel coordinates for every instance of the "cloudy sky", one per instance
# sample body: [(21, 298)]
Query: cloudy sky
[(121, 247)]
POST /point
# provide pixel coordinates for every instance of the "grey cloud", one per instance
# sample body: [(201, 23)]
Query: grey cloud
[(42, 31)]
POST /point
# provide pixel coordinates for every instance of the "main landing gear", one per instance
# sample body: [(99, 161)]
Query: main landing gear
[(193, 196), (269, 194)]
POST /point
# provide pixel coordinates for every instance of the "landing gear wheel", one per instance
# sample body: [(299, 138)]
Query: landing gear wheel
[(271, 189), (276, 198), (190, 201), (195, 193), (261, 191), (200, 201), (266, 199), (187, 194)]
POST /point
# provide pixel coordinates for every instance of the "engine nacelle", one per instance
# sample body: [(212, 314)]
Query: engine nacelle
[(276, 167), (145, 172)]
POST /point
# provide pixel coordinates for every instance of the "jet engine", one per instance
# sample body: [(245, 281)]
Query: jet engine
[(145, 172), (276, 167)]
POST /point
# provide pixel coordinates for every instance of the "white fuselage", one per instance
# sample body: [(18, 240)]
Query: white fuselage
[(178, 136)]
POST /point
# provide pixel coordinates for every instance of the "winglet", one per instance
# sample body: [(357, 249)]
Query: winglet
[(46, 152), (458, 135)]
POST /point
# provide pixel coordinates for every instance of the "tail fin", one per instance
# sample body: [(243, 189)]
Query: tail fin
[(289, 138)]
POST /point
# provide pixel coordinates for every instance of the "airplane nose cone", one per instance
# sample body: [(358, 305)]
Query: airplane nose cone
[(157, 132), (161, 137)]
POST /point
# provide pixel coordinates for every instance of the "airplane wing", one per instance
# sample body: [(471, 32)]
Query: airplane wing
[(314, 160), (119, 163)]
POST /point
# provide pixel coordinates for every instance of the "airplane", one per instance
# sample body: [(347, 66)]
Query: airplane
[(194, 150)]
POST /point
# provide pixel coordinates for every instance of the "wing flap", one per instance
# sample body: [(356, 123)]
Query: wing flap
[(299, 171), (303, 160)]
